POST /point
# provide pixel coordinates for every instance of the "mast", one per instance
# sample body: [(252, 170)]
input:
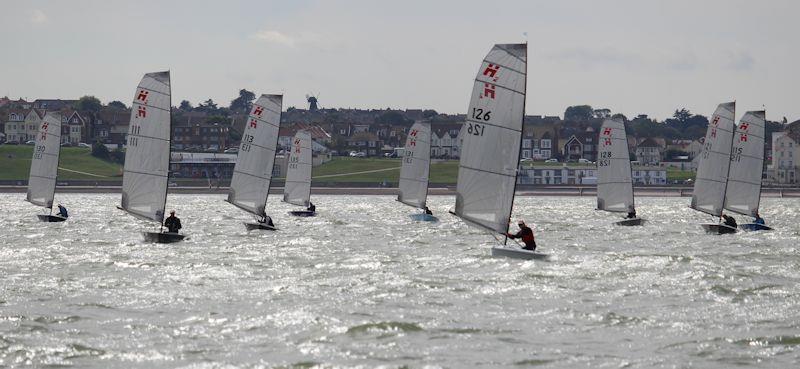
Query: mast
[(728, 172), (522, 128), (169, 149)]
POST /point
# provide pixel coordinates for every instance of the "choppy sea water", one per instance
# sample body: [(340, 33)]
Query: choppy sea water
[(361, 285)]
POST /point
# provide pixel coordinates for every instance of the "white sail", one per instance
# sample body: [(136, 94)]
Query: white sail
[(614, 187), (297, 190), (144, 184), (747, 165), (487, 172), (44, 165), (253, 171), (413, 185), (712, 171)]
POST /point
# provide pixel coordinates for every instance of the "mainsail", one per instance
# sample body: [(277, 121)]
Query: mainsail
[(747, 165), (614, 187), (44, 165), (147, 155), (253, 171), (297, 189), (416, 166), (712, 171), (487, 172)]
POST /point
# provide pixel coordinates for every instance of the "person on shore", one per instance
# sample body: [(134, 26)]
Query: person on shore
[(428, 211), (62, 211), (172, 223), (729, 221), (266, 219), (631, 214), (759, 219), (526, 234), (311, 207)]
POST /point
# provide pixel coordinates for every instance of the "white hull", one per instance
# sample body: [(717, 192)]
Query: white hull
[(517, 253)]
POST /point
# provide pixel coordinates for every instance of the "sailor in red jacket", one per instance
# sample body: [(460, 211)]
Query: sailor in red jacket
[(526, 234)]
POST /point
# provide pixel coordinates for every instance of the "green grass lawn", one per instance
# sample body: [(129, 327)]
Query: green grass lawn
[(384, 170), (15, 163), (679, 175)]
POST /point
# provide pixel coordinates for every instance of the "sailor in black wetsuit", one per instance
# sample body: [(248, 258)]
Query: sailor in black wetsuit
[(526, 234), (631, 214), (729, 221), (172, 223), (428, 211), (267, 220), (311, 207), (62, 211)]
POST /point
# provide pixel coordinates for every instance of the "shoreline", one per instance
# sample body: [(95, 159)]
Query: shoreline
[(522, 190)]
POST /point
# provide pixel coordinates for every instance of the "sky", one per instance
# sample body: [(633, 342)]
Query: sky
[(631, 56)]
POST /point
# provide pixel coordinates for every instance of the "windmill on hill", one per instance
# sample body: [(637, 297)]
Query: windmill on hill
[(312, 102)]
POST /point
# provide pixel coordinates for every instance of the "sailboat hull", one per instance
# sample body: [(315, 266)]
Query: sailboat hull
[(755, 227), (163, 237), (303, 213), (424, 218), (630, 222), (517, 253), (50, 218), (259, 226), (718, 228)]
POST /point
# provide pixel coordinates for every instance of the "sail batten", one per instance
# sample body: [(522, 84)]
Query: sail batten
[(743, 194), (614, 184), (491, 139), (415, 171), (711, 181), (147, 154), (297, 189), (252, 174), (44, 164)]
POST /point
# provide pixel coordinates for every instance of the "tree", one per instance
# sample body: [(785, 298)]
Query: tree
[(620, 116), (185, 106), (207, 106), (117, 104), (682, 115), (601, 113), (578, 113), (392, 117), (89, 103), (100, 151), (429, 113), (244, 102)]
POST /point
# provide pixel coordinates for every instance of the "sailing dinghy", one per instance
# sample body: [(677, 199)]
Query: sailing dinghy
[(147, 155), (711, 183), (614, 184), (487, 171), (297, 190), (743, 193), (413, 186), (44, 166), (252, 174)]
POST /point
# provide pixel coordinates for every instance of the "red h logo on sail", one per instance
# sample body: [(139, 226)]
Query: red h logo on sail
[(744, 126), (607, 131), (44, 130), (258, 110), (413, 135), (743, 137), (142, 96), (253, 123), (716, 120), (142, 112), (491, 70), (607, 141), (488, 90)]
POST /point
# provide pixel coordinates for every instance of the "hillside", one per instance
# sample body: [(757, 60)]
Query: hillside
[(74, 163)]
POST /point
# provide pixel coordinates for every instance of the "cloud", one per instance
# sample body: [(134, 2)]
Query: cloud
[(741, 61), (596, 57), (38, 17), (275, 37)]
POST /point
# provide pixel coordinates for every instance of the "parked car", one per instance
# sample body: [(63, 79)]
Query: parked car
[(232, 150), (30, 142), (584, 161), (66, 144), (357, 154), (553, 160), (84, 145)]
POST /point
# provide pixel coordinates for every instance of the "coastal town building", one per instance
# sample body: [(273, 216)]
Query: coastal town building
[(585, 175), (785, 150), (649, 152)]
